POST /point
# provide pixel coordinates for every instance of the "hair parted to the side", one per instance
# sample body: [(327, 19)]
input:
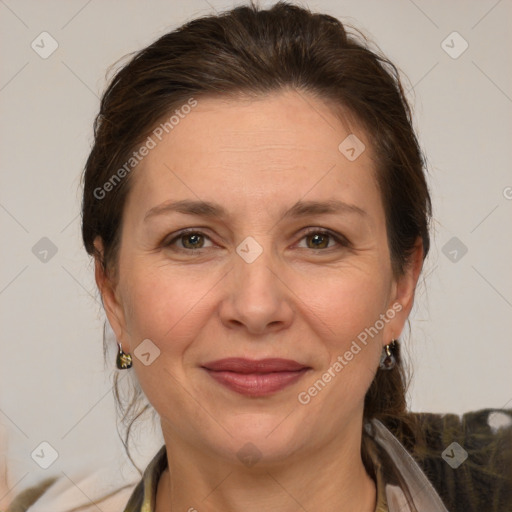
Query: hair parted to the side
[(249, 51)]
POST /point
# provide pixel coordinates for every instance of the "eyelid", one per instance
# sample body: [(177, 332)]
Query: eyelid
[(340, 239)]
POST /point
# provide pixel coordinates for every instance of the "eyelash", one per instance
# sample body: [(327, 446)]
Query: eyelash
[(341, 240)]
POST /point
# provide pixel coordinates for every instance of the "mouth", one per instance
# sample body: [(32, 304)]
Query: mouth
[(255, 378)]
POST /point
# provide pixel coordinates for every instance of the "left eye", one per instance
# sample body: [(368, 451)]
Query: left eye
[(194, 240), (320, 239)]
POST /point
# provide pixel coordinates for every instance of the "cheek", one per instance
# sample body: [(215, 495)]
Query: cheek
[(162, 307), (348, 301), (157, 310), (166, 310), (352, 310)]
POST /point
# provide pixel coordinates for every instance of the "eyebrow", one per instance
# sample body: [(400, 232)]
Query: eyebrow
[(213, 210)]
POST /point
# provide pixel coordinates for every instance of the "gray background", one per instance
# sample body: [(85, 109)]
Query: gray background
[(54, 385)]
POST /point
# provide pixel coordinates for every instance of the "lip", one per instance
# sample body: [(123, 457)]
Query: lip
[(255, 377)]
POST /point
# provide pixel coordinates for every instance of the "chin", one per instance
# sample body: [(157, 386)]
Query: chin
[(261, 436)]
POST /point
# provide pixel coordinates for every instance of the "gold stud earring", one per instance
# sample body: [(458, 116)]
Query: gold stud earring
[(123, 360)]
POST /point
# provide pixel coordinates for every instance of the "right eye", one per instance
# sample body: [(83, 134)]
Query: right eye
[(191, 240)]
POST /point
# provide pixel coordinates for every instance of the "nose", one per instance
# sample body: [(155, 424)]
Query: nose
[(257, 299)]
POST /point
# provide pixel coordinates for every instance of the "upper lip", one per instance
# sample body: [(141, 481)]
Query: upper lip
[(242, 365)]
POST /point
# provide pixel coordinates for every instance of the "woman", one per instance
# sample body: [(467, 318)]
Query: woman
[(258, 212)]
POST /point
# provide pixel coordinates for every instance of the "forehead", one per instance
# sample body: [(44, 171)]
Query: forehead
[(286, 121), (280, 147)]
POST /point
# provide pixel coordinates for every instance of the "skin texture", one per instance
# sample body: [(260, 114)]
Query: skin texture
[(257, 158)]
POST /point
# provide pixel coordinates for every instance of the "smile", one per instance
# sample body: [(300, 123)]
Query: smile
[(256, 378)]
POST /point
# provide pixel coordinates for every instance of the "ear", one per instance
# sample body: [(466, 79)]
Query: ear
[(402, 293), (109, 296)]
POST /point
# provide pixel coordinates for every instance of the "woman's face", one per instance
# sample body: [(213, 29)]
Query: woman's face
[(258, 279)]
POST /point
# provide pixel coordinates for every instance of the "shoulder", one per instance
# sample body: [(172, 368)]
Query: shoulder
[(65, 493), (468, 458), (88, 491)]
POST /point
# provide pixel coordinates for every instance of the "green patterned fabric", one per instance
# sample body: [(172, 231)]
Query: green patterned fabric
[(481, 482)]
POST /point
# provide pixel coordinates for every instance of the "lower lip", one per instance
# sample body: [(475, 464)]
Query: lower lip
[(256, 384)]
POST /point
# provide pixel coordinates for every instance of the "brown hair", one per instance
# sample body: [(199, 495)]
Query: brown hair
[(251, 51)]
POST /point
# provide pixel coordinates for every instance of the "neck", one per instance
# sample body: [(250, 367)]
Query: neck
[(331, 478)]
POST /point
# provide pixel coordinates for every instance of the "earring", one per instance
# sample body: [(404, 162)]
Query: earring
[(123, 360), (387, 359)]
